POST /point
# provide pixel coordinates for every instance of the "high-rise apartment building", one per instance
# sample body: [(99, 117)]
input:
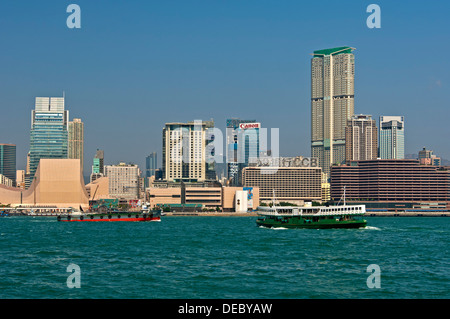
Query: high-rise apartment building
[(361, 138), (123, 180), (8, 161), (392, 137), (49, 134), (184, 156), (76, 140), (332, 103), (242, 147)]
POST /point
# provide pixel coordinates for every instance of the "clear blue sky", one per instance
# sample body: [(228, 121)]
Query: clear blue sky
[(135, 65)]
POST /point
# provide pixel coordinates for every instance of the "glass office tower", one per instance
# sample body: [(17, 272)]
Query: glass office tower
[(49, 131), (98, 165), (392, 137), (8, 161), (242, 147), (151, 165)]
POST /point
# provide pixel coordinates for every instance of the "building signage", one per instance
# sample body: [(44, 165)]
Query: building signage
[(246, 126), (249, 191), (298, 161)]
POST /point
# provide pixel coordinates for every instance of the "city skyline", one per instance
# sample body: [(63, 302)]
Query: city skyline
[(214, 61)]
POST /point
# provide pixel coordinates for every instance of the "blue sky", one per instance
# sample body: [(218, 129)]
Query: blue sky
[(135, 65)]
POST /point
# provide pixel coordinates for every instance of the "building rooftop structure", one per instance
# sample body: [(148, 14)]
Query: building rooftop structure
[(333, 51)]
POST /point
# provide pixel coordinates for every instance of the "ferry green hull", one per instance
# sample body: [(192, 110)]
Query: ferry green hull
[(305, 222)]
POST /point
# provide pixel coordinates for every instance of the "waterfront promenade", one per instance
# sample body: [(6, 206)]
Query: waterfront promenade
[(408, 214), (254, 214)]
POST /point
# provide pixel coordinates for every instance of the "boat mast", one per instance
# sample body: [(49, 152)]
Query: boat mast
[(344, 195), (273, 197)]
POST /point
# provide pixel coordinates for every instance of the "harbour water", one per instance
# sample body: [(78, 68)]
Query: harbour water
[(199, 257)]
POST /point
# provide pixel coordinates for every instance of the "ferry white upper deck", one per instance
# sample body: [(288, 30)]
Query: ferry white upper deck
[(312, 210)]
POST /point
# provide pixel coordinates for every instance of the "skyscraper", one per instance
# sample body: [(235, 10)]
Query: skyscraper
[(98, 165), (8, 161), (242, 146), (332, 103), (151, 165), (76, 140), (392, 137), (361, 139), (184, 156), (49, 135)]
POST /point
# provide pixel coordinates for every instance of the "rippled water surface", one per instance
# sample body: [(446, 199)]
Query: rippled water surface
[(223, 257)]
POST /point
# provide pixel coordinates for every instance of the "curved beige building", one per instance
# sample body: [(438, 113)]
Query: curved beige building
[(98, 188), (57, 182)]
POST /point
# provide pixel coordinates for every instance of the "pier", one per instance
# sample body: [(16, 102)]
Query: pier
[(408, 214)]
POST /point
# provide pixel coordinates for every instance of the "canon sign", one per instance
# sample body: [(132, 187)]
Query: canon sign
[(246, 126)]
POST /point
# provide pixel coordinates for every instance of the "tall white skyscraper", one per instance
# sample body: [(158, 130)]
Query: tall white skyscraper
[(185, 155), (392, 137), (332, 103), (361, 138)]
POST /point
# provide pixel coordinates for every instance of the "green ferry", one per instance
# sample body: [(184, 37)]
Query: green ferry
[(344, 216)]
